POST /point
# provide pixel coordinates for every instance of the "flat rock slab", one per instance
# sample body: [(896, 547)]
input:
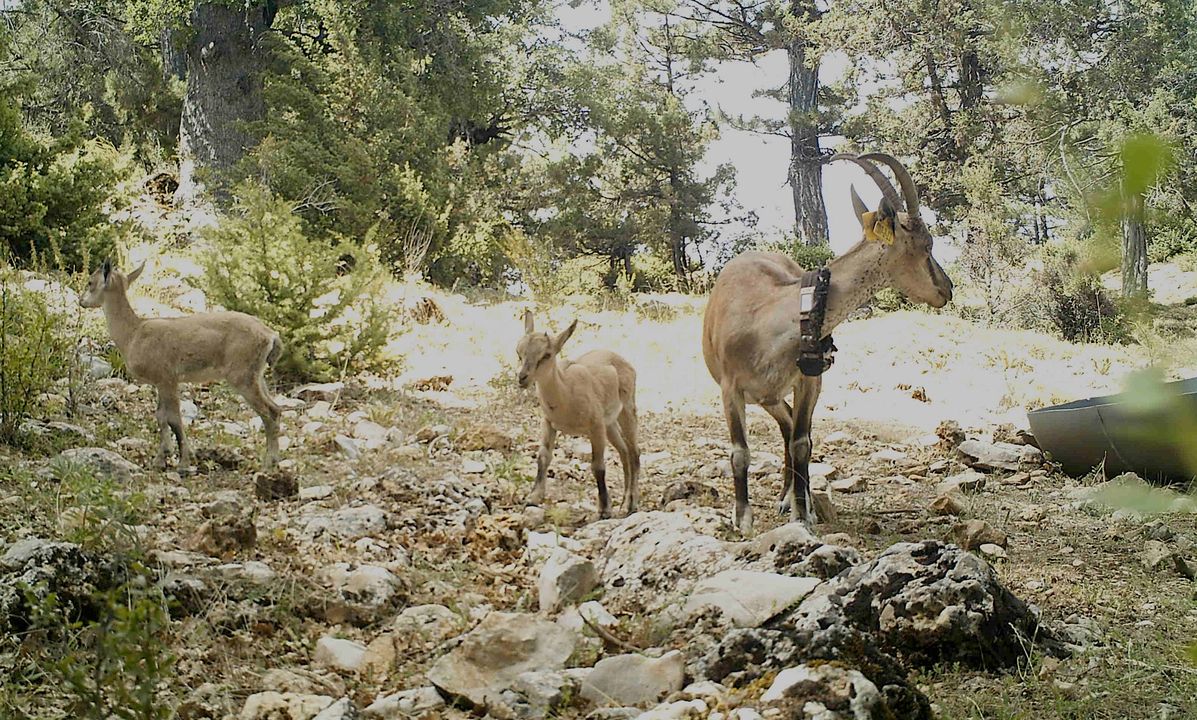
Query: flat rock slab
[(623, 680), (998, 456), (651, 558), (292, 706), (406, 704), (798, 690), (492, 655), (749, 598), (101, 461), (339, 654)]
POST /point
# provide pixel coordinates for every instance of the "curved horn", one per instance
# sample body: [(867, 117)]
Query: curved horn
[(909, 191), (887, 188)]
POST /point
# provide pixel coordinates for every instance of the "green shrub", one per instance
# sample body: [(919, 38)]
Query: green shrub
[(810, 257), (323, 297), (540, 268), (37, 350), (53, 191), (1064, 299), (116, 665), (652, 273), (1170, 240)]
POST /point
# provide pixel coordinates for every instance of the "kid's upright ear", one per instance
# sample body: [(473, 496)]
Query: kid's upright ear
[(529, 325), (559, 342), (135, 274)]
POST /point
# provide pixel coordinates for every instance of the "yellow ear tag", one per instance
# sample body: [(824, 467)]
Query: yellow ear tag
[(877, 230)]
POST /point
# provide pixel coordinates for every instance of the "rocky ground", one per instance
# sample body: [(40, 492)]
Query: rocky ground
[(391, 570)]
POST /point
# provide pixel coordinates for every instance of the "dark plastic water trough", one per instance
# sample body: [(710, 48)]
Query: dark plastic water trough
[(1081, 435)]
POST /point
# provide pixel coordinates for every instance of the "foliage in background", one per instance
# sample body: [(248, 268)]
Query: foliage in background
[(91, 66), (629, 180), (394, 120), (323, 296), (37, 352), (1067, 299), (55, 191)]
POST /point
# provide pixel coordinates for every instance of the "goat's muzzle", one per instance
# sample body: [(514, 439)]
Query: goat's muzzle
[(523, 380)]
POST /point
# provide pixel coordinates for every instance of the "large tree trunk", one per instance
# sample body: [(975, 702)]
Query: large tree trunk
[(1134, 249), (806, 167), (677, 233), (224, 91)]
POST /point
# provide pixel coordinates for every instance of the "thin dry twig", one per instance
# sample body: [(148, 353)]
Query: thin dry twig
[(606, 635)]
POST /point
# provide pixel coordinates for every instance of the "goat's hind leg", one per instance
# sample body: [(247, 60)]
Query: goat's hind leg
[(629, 431), (258, 398), (615, 437)]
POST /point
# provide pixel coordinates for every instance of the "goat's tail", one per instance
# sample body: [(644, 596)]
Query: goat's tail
[(276, 349)]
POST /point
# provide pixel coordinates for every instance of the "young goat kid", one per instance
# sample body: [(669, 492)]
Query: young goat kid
[(164, 352), (595, 397)]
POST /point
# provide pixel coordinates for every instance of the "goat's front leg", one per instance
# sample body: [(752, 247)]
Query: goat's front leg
[(733, 409), (598, 465), (806, 396), (784, 415), (160, 415), (548, 439), (174, 418)]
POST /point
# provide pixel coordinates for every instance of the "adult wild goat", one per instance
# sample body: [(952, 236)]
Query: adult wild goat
[(164, 352), (593, 396), (751, 329)]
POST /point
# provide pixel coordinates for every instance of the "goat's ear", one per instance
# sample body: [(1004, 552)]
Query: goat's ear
[(135, 274), (106, 271), (559, 342), (858, 205), (529, 325), (886, 210)]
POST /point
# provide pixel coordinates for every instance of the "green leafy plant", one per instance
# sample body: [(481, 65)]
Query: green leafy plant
[(1065, 299), (53, 191), (323, 297), (36, 351), (115, 665)]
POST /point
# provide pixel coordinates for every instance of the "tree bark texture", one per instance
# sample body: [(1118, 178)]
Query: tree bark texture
[(806, 167), (225, 60), (174, 54), (1134, 248)]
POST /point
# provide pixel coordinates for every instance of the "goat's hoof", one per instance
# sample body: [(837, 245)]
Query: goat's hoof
[(744, 524), (605, 514), (783, 507), (631, 511)]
